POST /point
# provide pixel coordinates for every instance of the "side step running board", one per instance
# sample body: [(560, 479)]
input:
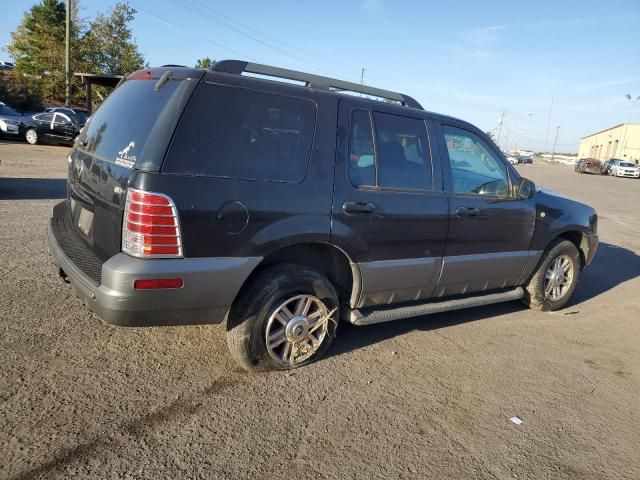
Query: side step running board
[(368, 317)]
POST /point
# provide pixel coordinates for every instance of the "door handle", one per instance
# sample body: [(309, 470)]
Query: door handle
[(358, 207), (467, 212)]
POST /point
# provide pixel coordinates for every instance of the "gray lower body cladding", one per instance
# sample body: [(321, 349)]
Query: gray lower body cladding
[(210, 286)]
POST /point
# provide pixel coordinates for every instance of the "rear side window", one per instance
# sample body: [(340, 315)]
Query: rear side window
[(401, 157), (44, 117), (233, 132)]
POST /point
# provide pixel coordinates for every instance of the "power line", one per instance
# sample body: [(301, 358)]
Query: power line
[(191, 32), (203, 10), (540, 141), (350, 68)]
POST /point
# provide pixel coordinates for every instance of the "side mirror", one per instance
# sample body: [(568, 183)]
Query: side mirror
[(526, 188)]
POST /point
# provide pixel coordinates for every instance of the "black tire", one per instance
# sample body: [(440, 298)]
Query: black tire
[(31, 136), (535, 296), (248, 318)]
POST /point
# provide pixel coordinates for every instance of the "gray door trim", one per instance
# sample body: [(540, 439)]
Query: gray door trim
[(391, 281), (387, 282), (480, 272)]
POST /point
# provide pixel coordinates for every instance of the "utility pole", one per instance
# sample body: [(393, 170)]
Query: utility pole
[(553, 152), (626, 126), (500, 122), (546, 139), (362, 76), (67, 56)]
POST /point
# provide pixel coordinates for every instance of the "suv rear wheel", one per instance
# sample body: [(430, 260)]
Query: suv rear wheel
[(285, 318), (553, 283)]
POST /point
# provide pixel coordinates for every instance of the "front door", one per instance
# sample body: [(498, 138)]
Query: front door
[(389, 210), (62, 127), (490, 227)]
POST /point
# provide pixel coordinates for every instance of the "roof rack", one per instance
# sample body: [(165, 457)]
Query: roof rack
[(239, 67)]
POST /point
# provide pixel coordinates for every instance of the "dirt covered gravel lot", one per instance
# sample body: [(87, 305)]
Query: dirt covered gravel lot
[(423, 398)]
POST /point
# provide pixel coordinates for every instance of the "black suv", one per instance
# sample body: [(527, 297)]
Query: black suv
[(203, 196)]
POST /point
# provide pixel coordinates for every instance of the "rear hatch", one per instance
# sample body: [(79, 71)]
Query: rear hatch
[(130, 132)]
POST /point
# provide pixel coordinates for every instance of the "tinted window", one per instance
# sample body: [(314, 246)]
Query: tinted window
[(61, 119), (234, 132), (402, 157), (44, 117), (403, 153), (475, 168), (136, 121), (362, 170)]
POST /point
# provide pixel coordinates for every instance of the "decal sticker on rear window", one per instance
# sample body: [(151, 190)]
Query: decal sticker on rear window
[(126, 159)]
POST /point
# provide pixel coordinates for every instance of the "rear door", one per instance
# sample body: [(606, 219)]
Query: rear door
[(490, 228), (129, 132), (389, 210), (44, 125)]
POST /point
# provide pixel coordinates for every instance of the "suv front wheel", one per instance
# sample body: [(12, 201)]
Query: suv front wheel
[(286, 317), (555, 280)]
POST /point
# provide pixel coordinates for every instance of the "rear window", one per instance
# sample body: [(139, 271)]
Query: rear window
[(135, 123), (233, 132)]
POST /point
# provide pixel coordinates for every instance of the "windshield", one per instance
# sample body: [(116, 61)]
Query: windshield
[(4, 110), (626, 164), (135, 123)]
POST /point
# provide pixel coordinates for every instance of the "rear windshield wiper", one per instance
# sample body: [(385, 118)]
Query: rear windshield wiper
[(162, 80)]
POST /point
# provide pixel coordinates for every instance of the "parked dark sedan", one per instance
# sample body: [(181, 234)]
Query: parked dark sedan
[(589, 165), (53, 127), (78, 115)]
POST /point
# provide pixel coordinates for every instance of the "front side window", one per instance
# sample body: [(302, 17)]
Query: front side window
[(61, 119), (401, 157), (475, 168)]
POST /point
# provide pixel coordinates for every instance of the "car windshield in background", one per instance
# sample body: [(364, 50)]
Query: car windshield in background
[(137, 123), (627, 165), (4, 110)]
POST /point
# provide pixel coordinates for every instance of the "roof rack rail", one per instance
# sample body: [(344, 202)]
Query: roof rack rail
[(239, 67)]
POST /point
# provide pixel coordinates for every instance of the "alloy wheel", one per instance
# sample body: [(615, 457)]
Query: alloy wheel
[(558, 278), (297, 328), (31, 136)]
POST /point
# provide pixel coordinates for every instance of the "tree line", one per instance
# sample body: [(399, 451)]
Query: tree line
[(101, 45)]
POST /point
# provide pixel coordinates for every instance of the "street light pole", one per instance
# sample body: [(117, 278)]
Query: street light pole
[(632, 101), (67, 56), (501, 121), (546, 138), (553, 152)]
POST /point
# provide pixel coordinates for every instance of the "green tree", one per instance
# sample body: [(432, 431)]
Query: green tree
[(38, 47), (205, 62), (109, 46)]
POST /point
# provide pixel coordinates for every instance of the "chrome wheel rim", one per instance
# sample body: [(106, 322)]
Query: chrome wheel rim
[(558, 278), (297, 328), (32, 137)]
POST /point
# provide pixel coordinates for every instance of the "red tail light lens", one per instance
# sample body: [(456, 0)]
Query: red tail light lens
[(150, 227), (156, 283)]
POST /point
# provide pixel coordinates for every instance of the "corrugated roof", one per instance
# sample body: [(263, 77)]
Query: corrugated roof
[(607, 129)]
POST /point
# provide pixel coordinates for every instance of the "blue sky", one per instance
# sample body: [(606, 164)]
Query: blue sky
[(468, 59)]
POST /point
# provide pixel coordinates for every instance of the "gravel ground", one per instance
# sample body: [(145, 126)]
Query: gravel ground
[(422, 398)]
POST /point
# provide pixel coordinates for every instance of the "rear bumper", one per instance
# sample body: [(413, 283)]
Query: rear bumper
[(210, 284)]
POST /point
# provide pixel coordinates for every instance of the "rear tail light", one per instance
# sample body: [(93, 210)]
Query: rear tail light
[(158, 283), (150, 226)]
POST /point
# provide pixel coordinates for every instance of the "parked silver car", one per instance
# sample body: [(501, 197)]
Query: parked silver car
[(9, 121)]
